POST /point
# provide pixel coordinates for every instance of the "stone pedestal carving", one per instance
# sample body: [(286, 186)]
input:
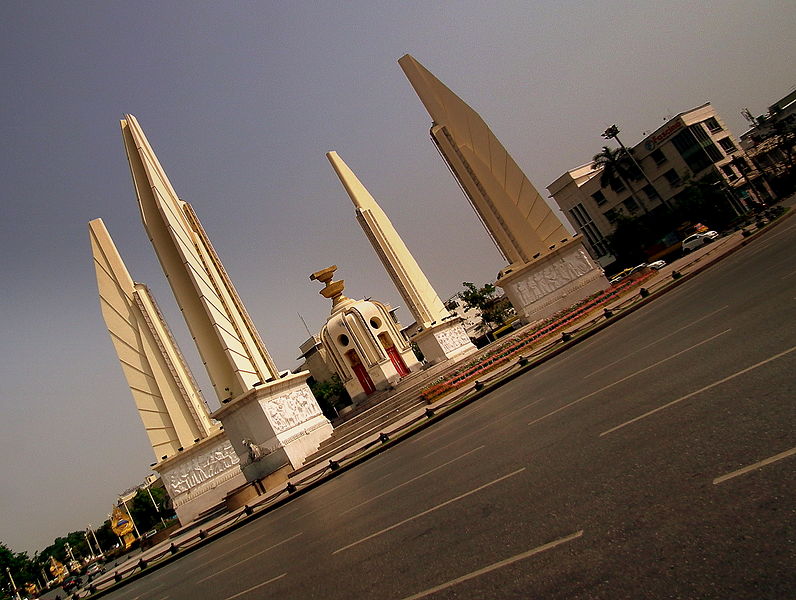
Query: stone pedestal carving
[(552, 283), (444, 341), (200, 476), (274, 426)]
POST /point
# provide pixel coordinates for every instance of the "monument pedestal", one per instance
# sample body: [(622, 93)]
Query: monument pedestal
[(444, 341), (553, 282), (201, 476), (274, 426)]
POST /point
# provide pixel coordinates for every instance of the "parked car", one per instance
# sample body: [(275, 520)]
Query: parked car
[(94, 569), (657, 265), (70, 582), (621, 275), (697, 240)]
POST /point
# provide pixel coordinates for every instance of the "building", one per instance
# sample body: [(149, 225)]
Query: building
[(763, 142), (693, 145)]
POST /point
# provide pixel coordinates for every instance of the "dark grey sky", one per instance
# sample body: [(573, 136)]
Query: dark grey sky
[(240, 102)]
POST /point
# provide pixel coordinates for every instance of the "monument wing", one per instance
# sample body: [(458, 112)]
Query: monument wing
[(516, 215), (118, 309)]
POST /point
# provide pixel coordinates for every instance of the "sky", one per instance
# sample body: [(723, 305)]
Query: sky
[(241, 101)]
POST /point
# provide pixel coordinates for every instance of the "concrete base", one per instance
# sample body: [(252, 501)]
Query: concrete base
[(249, 492), (201, 476), (553, 282), (273, 426), (444, 341)]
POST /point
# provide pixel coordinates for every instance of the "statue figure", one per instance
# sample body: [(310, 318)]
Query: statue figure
[(255, 452)]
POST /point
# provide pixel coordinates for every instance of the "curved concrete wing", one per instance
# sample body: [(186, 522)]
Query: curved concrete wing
[(515, 214), (230, 346)]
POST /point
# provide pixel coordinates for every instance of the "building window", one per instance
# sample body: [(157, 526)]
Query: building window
[(729, 172), (631, 205), (692, 145), (599, 198), (617, 186), (713, 153), (658, 156), (672, 177), (713, 125), (611, 215), (650, 192), (598, 243), (727, 145)]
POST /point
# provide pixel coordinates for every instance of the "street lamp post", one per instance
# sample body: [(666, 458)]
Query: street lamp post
[(612, 133), (96, 541), (13, 585), (88, 543), (129, 514), (157, 510), (69, 551)]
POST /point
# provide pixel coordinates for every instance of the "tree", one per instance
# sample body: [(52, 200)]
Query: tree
[(493, 310), (330, 394), (705, 201), (617, 167), (147, 515), (21, 567)]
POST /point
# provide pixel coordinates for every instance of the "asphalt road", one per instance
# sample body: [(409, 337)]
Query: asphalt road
[(615, 470)]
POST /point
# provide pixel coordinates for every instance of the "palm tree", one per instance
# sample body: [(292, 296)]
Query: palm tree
[(616, 166)]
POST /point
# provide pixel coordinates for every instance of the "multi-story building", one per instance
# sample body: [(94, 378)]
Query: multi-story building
[(763, 142), (690, 146)]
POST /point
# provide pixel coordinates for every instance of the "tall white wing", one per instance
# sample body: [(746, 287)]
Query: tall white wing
[(519, 220), (166, 396), (420, 297), (230, 346)]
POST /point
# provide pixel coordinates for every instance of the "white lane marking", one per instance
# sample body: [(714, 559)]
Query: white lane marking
[(754, 467), (658, 341), (617, 382), (400, 485), (248, 558), (259, 585), (238, 544), (495, 566), (430, 510), (700, 390), (767, 244), (489, 424)]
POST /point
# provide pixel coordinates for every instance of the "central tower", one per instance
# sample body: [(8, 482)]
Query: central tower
[(439, 334)]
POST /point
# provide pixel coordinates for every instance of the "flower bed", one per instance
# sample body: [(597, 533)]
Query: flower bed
[(508, 351)]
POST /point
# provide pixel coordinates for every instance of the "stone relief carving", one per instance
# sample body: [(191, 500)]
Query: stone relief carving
[(292, 409), (200, 468), (452, 339), (553, 277)]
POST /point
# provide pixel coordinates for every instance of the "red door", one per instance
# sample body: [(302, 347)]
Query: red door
[(362, 374), (397, 361)]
